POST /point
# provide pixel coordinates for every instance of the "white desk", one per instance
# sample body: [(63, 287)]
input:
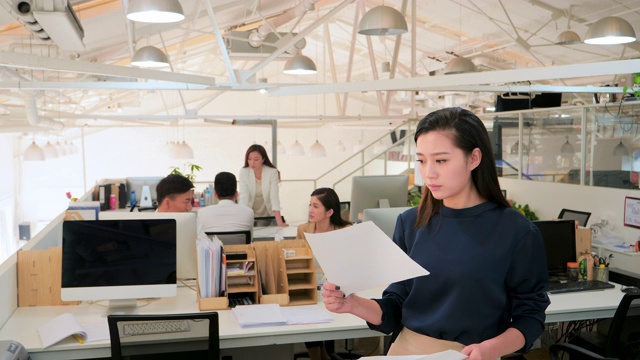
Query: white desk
[(23, 324)]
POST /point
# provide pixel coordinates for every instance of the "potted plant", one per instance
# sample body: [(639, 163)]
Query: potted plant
[(633, 93), (189, 172)]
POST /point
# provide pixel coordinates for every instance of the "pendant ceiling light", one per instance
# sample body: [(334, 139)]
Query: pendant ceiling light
[(620, 150), (382, 20), (150, 57), (33, 153), (296, 149), (340, 146), (609, 31), (318, 150), (568, 37), (50, 151), (62, 150), (184, 151), (300, 65), (281, 148), (459, 65), (514, 148), (155, 11), (567, 149)]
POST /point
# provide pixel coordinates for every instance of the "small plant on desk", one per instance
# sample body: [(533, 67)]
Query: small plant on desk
[(189, 172)]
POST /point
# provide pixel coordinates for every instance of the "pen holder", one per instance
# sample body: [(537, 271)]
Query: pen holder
[(601, 274)]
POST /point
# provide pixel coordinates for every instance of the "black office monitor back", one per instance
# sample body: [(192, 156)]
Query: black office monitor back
[(559, 238)]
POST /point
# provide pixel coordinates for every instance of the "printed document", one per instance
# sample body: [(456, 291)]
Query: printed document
[(362, 257)]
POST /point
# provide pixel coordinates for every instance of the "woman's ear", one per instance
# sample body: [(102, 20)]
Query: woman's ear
[(330, 212), (475, 158)]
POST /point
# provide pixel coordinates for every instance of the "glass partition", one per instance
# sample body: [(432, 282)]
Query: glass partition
[(596, 145)]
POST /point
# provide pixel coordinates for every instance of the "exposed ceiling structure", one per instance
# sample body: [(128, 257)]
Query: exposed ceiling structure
[(225, 51)]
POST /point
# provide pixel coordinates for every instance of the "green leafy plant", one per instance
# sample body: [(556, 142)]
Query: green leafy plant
[(189, 171), (526, 211), (414, 195), (636, 86)]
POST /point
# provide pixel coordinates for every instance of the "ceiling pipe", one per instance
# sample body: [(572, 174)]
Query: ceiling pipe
[(256, 37), (30, 106)]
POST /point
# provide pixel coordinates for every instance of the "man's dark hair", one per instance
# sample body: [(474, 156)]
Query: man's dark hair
[(172, 185), (225, 185)]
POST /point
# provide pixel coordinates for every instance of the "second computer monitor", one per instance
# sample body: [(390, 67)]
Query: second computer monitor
[(138, 183), (559, 238), (368, 192)]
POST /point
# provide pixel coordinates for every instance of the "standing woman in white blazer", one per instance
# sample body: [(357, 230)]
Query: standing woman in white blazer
[(259, 180)]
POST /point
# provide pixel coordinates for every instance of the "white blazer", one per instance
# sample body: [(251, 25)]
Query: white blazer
[(270, 189)]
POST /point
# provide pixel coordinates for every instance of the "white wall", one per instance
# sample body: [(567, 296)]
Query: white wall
[(547, 199), (8, 225)]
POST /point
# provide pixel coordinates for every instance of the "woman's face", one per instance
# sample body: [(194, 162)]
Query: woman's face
[(317, 212), (446, 169), (255, 160)]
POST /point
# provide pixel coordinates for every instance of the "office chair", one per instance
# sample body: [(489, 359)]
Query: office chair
[(203, 330), (581, 217), (240, 237), (266, 221), (623, 338), (573, 352)]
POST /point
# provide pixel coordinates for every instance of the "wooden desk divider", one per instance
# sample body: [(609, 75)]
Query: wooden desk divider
[(40, 277), (273, 277)]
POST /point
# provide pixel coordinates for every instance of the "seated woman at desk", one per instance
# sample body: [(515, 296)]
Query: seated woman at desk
[(324, 216), (259, 180), (485, 295)]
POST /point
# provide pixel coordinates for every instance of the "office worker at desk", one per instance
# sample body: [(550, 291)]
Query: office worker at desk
[(175, 194), (226, 215), (324, 216), (259, 184), (485, 294)]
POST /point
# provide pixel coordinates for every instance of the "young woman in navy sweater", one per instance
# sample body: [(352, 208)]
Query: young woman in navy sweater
[(485, 295)]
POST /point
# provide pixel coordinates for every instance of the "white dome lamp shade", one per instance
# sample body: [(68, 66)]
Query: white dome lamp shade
[(50, 151), (296, 149), (610, 30), (300, 65), (33, 153), (184, 151), (155, 11), (317, 150), (620, 150), (460, 65), (149, 57), (382, 20)]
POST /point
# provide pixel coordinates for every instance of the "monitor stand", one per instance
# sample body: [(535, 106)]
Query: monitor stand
[(383, 203), (122, 307), (145, 198)]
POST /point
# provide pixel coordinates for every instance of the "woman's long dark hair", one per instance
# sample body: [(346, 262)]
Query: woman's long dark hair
[(260, 150), (469, 133), (330, 201)]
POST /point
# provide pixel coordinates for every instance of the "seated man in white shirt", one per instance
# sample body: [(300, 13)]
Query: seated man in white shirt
[(227, 215)]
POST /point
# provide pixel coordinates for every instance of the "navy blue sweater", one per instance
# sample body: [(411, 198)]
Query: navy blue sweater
[(487, 269)]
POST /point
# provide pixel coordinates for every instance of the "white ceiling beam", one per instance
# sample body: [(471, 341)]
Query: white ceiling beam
[(454, 81), (27, 61), (100, 85)]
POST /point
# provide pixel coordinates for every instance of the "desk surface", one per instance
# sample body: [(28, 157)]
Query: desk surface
[(23, 324), (269, 232)]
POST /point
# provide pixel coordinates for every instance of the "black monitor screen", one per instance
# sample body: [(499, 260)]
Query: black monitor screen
[(559, 238), (118, 252)]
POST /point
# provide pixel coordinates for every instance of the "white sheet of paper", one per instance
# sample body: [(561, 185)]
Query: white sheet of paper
[(306, 314), (362, 257), (259, 315), (444, 355)]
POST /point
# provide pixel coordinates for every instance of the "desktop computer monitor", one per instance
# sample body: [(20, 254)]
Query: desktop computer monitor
[(186, 229), (381, 191), (559, 238), (385, 219), (137, 183), (118, 260)]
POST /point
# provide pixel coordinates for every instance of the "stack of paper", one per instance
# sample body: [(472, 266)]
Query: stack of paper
[(274, 315), (444, 355)]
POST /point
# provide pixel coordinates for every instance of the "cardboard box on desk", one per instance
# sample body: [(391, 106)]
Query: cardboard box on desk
[(40, 277), (583, 241)]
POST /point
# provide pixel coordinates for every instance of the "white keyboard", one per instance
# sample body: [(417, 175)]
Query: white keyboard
[(155, 327)]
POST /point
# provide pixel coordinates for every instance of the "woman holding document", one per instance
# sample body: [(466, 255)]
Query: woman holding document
[(324, 216), (486, 292)]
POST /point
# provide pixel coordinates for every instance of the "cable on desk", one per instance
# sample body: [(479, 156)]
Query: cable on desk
[(187, 285)]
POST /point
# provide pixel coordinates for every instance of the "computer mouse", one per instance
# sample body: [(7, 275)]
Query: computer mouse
[(630, 290)]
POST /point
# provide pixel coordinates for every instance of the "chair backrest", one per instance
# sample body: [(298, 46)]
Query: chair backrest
[(203, 326), (582, 217), (266, 221), (624, 331), (239, 237), (566, 351)]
